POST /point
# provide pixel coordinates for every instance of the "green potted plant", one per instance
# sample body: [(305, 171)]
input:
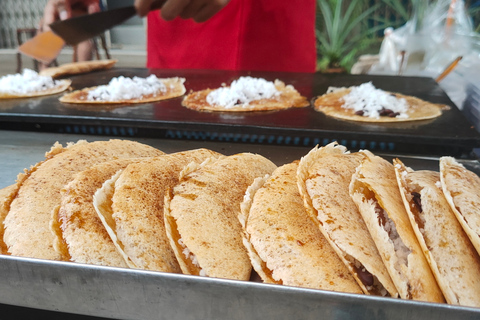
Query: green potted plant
[(342, 32)]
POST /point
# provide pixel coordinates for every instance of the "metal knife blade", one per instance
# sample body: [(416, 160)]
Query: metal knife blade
[(81, 28)]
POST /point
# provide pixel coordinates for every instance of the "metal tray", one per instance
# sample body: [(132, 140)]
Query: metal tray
[(59, 289), (130, 294), (451, 133)]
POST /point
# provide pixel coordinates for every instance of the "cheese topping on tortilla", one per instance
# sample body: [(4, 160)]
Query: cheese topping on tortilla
[(190, 255), (26, 82), (243, 91), (368, 101), (123, 88)]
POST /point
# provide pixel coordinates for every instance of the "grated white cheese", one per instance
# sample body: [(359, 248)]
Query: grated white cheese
[(401, 250), (26, 82), (242, 91), (369, 101), (190, 255), (123, 88)]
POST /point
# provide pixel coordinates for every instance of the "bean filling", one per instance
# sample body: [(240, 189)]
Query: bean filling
[(364, 276), (383, 113), (417, 201)]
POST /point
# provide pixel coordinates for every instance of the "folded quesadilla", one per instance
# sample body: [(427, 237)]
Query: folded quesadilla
[(81, 236), (461, 188), (285, 246), (201, 215), (452, 257), (324, 177), (375, 191), (134, 214), (77, 68), (27, 225)]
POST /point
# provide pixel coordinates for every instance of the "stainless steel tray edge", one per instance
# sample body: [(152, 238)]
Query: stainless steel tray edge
[(136, 294)]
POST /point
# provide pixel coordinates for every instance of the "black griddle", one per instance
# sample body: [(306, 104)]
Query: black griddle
[(450, 134)]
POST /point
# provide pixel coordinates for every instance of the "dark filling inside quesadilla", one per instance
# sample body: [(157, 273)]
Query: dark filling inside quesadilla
[(416, 208), (371, 282), (388, 225), (401, 250)]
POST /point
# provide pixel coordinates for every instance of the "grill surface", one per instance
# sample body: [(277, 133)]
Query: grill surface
[(449, 134)]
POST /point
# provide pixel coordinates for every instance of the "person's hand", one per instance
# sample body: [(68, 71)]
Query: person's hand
[(198, 10), (65, 9)]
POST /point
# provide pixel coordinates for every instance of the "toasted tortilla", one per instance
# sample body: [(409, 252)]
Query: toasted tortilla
[(452, 257), (62, 86), (27, 225), (289, 98), (175, 88), (135, 216), (461, 188), (331, 105), (82, 236), (7, 195), (79, 67), (285, 246), (201, 215), (324, 177), (375, 191)]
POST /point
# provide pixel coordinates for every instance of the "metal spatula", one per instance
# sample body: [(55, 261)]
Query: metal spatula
[(44, 47)]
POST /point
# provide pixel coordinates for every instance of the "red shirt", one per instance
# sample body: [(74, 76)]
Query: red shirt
[(253, 35)]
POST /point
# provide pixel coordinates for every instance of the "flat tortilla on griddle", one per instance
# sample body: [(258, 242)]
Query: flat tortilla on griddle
[(201, 215), (452, 257), (331, 105), (285, 246), (375, 191), (461, 188), (135, 217), (78, 67), (81, 231), (288, 98), (62, 86), (30, 84), (27, 225), (174, 88), (324, 176)]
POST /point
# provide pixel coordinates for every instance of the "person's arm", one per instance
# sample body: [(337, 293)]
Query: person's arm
[(65, 9), (198, 10)]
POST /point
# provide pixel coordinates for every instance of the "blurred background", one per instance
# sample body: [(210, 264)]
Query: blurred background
[(125, 43), (346, 30)]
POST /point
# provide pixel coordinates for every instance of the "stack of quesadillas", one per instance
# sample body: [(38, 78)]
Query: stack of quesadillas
[(332, 220)]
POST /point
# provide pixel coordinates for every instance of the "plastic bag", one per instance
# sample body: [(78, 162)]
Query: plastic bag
[(437, 34)]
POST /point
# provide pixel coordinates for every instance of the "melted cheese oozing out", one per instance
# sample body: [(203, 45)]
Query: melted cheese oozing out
[(242, 91), (371, 101), (26, 82), (123, 88)]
